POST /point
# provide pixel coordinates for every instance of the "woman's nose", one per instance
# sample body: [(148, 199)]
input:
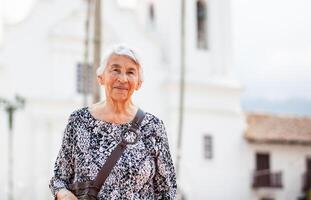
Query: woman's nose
[(122, 77)]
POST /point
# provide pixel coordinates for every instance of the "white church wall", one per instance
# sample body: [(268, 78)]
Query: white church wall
[(212, 106), (40, 66), (216, 59), (209, 178), (38, 135), (26, 53)]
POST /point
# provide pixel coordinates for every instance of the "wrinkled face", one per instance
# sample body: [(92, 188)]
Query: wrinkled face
[(120, 78)]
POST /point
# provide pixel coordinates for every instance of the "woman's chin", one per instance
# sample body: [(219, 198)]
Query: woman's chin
[(120, 98)]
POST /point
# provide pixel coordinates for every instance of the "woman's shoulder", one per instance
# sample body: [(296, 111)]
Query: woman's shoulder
[(153, 126), (151, 118), (152, 123), (79, 114)]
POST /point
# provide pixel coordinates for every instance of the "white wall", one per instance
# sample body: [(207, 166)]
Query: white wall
[(39, 65), (214, 112), (26, 55), (290, 160), (212, 105), (216, 60)]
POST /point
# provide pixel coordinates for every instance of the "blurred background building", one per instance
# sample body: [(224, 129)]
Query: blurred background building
[(229, 150)]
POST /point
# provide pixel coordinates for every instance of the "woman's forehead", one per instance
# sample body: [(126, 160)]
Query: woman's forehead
[(120, 60)]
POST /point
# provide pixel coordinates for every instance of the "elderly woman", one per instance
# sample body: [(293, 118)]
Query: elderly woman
[(145, 169)]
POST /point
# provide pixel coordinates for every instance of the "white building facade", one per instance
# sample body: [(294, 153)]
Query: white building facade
[(281, 156)]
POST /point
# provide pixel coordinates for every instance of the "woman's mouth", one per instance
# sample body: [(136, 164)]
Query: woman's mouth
[(121, 88)]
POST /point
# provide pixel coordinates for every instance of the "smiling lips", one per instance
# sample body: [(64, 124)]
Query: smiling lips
[(120, 88)]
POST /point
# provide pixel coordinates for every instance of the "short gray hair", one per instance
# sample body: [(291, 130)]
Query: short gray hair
[(121, 50)]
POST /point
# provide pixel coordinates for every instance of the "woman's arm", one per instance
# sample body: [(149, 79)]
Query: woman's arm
[(165, 178), (63, 169)]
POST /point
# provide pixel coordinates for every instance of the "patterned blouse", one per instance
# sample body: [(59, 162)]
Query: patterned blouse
[(145, 170)]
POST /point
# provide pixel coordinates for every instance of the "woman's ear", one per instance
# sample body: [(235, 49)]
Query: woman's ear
[(101, 79), (138, 85)]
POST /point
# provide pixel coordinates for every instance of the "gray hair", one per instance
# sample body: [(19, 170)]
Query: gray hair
[(121, 50)]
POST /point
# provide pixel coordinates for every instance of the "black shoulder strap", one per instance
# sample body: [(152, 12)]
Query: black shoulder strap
[(117, 152)]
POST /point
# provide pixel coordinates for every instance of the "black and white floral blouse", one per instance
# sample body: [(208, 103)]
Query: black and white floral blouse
[(145, 170)]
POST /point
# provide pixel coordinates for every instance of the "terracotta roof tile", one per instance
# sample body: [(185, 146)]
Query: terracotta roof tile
[(267, 128)]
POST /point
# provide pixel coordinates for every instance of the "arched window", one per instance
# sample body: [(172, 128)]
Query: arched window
[(151, 14), (201, 11)]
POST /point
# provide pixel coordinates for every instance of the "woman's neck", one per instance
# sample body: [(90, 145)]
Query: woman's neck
[(113, 112), (119, 108)]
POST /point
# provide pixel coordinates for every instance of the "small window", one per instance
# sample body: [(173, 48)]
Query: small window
[(201, 11), (262, 161), (84, 76), (208, 147)]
